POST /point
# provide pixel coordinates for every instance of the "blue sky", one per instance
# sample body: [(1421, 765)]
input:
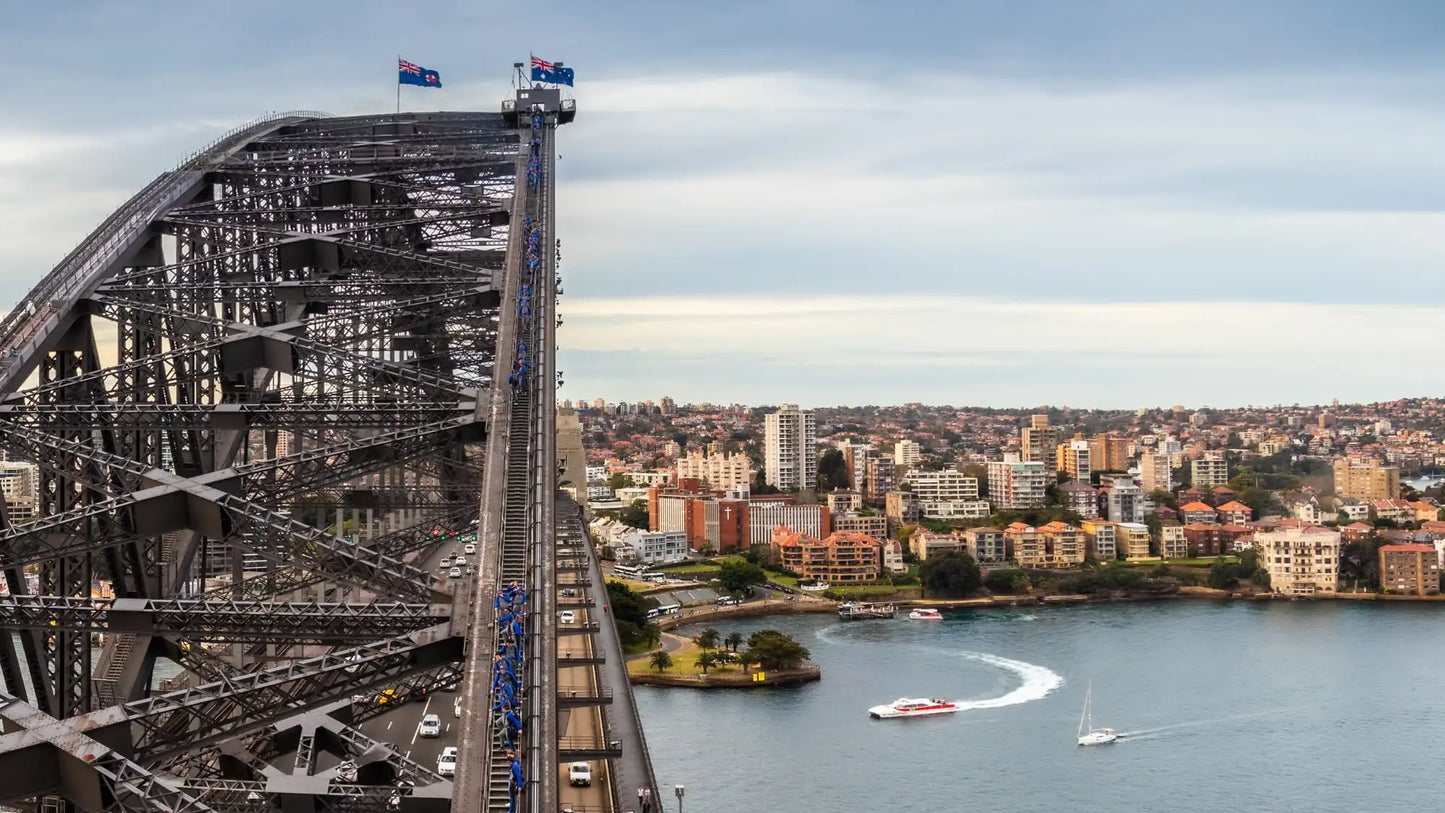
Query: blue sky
[(1087, 203)]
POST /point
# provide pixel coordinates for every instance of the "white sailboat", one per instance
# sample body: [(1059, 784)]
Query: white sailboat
[(1088, 735)]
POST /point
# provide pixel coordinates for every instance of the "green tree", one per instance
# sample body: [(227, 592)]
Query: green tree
[(1260, 577), (771, 649), (952, 574), (1223, 575), (616, 480), (1009, 581), (739, 577), (833, 471), (635, 515), (707, 639), (733, 641), (629, 612), (706, 661), (660, 660)]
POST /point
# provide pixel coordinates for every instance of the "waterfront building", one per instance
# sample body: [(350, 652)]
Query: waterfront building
[(986, 545), (1016, 483), (790, 437), (925, 543), (1410, 569), (1080, 498), (1211, 469), (1133, 539), (764, 515), (1300, 560), (1172, 542), (1212, 540), (1039, 442), (1102, 539), (1027, 545), (1198, 513), (875, 525), (717, 471), (1366, 480), (844, 557), (893, 557), (907, 453), (1064, 545)]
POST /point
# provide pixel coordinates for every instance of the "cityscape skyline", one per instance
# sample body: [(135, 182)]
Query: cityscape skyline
[(1100, 204)]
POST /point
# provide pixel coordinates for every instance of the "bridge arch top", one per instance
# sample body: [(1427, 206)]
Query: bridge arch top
[(26, 322)]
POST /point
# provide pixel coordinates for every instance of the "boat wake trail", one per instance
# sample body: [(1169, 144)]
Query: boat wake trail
[(1183, 728), (1038, 682)]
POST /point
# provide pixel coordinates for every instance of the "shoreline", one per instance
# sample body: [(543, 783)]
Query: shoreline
[(731, 680)]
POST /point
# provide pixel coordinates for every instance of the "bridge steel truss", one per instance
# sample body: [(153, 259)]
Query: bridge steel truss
[(251, 395)]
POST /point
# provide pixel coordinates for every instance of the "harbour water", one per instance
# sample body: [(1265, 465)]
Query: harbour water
[(1279, 706)]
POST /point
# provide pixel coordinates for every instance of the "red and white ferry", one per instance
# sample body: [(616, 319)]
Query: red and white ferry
[(905, 707)]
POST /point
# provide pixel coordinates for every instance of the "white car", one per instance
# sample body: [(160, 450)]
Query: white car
[(470, 549), (566, 616), (447, 762), (431, 726), (454, 573), (460, 561), (579, 773)]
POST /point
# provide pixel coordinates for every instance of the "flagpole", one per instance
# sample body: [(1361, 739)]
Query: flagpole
[(398, 86)]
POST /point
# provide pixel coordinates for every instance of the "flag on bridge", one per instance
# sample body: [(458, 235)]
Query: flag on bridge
[(544, 71), (409, 73)]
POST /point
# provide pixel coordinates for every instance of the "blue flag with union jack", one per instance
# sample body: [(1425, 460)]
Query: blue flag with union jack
[(544, 71), (409, 73)]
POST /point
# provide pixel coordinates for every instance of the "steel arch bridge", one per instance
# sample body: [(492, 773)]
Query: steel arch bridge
[(258, 396)]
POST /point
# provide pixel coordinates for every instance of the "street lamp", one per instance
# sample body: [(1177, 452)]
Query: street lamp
[(678, 789)]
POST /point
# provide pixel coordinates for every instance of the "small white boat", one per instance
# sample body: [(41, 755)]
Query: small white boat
[(912, 707), (1088, 735), (925, 614)]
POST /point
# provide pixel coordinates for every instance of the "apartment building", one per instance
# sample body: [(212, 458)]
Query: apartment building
[(893, 557), (1156, 472), (844, 557), (842, 502), (1212, 540), (1124, 500), (1367, 480), (1039, 443), (790, 436), (875, 525), (1080, 498), (1016, 483), (1133, 539), (907, 453), (985, 545), (1027, 545), (1410, 569), (1101, 537), (880, 479), (1300, 560), (1109, 453), (926, 543), (765, 515), (1172, 542), (718, 471), (1235, 512), (1198, 513), (1064, 544), (901, 509), (1073, 459), (1210, 469), (654, 547)]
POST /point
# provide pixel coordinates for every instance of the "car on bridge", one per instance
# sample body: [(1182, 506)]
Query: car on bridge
[(431, 726), (447, 762), (454, 573), (580, 773), (566, 617), (469, 549)]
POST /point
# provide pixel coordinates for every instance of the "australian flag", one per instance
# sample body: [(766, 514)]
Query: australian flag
[(409, 73), (544, 71)]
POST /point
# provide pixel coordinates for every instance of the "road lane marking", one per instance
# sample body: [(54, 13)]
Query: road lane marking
[(417, 731)]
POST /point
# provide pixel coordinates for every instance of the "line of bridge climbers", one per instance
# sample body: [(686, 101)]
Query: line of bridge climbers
[(521, 359), (510, 605)]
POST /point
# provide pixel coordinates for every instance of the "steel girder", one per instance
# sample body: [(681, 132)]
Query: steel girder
[(302, 318)]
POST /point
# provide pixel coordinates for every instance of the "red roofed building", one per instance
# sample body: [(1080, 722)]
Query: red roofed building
[(1356, 531), (845, 557), (1205, 539), (1197, 512), (1410, 569), (1235, 512)]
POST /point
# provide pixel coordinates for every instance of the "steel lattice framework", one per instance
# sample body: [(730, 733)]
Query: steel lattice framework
[(287, 340)]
